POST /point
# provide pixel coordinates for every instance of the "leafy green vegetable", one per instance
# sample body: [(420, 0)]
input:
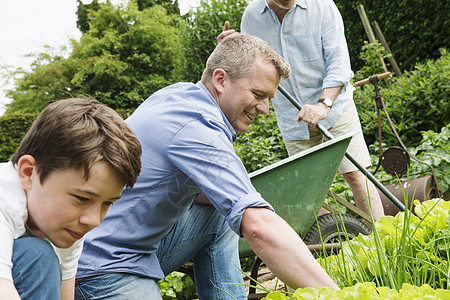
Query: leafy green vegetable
[(407, 248), (365, 290)]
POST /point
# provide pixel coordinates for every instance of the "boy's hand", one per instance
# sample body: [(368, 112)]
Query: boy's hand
[(8, 290), (225, 32)]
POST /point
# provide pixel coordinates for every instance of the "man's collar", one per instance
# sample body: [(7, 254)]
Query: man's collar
[(265, 5), (214, 102)]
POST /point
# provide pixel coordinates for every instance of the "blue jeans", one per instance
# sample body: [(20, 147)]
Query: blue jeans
[(202, 234), (36, 271)]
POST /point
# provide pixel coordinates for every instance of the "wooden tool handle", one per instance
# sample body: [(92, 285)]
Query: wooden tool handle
[(379, 77)]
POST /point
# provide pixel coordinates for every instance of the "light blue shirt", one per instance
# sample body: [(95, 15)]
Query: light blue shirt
[(187, 147), (311, 39)]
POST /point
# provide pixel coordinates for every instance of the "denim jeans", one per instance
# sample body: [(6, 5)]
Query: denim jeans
[(36, 271), (202, 235)]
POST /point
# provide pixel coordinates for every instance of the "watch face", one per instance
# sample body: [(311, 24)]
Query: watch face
[(328, 102)]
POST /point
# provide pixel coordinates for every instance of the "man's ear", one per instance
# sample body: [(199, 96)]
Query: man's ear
[(25, 169), (218, 80)]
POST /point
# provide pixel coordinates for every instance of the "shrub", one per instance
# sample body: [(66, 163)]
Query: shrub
[(414, 33), (434, 150), (199, 32), (262, 145), (416, 102)]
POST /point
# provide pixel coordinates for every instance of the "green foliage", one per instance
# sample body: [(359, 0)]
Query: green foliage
[(416, 102), (198, 35), (434, 150), (177, 285), (124, 57), (405, 257), (169, 5), (414, 33), (83, 17), (262, 145), (48, 81), (366, 291), (12, 130), (407, 248), (370, 54)]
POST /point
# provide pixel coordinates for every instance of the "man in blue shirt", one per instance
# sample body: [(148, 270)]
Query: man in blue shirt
[(187, 131), (310, 36)]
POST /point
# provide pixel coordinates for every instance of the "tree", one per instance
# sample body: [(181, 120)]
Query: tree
[(169, 5), (124, 57), (83, 17), (49, 80)]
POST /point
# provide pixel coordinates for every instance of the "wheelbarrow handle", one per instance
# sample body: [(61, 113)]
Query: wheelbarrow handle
[(376, 77), (329, 136)]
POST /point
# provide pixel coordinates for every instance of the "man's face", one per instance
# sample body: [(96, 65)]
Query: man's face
[(246, 98), (66, 206)]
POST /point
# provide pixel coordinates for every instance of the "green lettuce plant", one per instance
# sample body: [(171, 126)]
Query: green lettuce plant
[(177, 285), (366, 290), (407, 248), (405, 257)]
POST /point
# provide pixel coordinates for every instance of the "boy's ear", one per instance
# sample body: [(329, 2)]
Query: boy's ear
[(25, 169), (218, 80)]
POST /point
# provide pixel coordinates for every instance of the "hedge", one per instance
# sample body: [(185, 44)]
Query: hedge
[(12, 129), (414, 30)]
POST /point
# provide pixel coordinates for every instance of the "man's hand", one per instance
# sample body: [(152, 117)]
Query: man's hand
[(312, 114), (225, 32), (282, 250)]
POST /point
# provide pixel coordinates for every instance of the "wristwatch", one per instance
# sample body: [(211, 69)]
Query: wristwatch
[(327, 101)]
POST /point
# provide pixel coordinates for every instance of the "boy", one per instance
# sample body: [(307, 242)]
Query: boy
[(70, 167)]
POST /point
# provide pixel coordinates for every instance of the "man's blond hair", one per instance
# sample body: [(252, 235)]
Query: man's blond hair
[(236, 54)]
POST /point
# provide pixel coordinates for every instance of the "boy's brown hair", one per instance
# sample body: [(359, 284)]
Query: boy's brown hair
[(77, 133)]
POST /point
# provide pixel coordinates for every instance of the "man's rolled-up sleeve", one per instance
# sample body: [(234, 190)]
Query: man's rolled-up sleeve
[(203, 151)]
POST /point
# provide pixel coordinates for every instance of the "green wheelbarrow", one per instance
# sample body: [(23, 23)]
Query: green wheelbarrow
[(296, 187)]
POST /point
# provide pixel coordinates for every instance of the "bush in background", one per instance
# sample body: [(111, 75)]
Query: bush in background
[(435, 151), (12, 129), (414, 33), (262, 145), (416, 102), (198, 34)]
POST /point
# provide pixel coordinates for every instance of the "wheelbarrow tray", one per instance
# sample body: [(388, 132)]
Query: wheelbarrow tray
[(297, 186)]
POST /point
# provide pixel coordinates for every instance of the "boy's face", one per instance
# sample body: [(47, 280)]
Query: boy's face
[(66, 206)]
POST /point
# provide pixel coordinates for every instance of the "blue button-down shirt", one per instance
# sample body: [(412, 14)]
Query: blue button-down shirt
[(187, 146), (311, 39)]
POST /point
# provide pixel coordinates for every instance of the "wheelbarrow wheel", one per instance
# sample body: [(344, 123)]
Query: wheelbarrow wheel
[(332, 229)]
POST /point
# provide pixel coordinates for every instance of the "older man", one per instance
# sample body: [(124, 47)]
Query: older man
[(187, 132), (310, 36)]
